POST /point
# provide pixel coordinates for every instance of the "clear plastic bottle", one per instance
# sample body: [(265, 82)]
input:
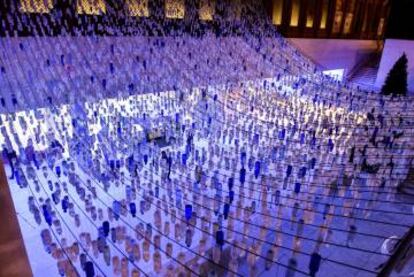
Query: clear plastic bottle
[(135, 273), (107, 255), (216, 254), (116, 265), (157, 219), (124, 267), (167, 228), (137, 252), (146, 250), (178, 231), (169, 249), (157, 241), (171, 271), (157, 262)]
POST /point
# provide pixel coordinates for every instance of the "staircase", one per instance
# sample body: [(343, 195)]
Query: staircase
[(366, 76), (407, 186), (365, 71)]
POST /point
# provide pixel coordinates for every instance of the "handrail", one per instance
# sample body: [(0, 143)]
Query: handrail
[(402, 248)]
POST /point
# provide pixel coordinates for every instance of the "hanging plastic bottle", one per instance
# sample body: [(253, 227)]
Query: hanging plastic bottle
[(202, 247), (157, 262), (49, 183), (77, 220), (124, 267), (142, 205), (148, 231), (289, 171), (133, 209), (157, 241), (250, 163), (116, 208), (314, 263), (89, 269), (297, 187), (46, 239), (231, 196), (105, 228), (178, 231), (188, 237), (116, 265), (135, 273), (146, 250), (302, 172), (83, 260), (252, 259), (47, 215), (65, 204), (281, 134), (101, 243), (136, 252), (58, 171), (113, 235), (216, 254), (256, 139), (95, 249), (107, 255), (291, 269), (269, 259), (36, 215), (55, 198), (242, 175), (220, 238), (257, 169), (169, 249), (226, 210), (157, 219), (188, 211), (182, 258)]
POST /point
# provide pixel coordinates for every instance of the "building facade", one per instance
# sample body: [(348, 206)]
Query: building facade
[(353, 19)]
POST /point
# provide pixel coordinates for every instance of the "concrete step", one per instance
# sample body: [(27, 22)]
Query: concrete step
[(407, 186), (365, 76)]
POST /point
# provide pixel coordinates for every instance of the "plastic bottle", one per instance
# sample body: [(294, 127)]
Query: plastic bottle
[(157, 262)]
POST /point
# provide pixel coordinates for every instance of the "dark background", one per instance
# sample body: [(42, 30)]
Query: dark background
[(401, 20)]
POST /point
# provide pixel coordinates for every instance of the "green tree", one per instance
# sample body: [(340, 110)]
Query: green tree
[(396, 82)]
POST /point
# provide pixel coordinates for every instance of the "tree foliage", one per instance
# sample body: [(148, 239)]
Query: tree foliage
[(396, 82)]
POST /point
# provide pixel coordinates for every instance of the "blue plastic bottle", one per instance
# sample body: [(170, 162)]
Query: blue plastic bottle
[(188, 211), (133, 209), (257, 169), (242, 175)]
